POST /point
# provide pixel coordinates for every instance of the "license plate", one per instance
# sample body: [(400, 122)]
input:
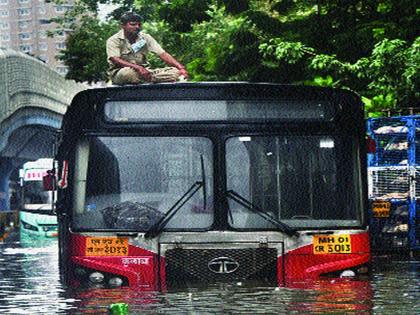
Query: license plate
[(106, 246), (381, 209), (332, 244)]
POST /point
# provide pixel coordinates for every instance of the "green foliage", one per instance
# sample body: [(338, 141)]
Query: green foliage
[(326, 81), (371, 47), (290, 52), (391, 70), (212, 45), (182, 14), (85, 54)]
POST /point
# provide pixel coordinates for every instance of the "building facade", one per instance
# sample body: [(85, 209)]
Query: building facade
[(26, 24)]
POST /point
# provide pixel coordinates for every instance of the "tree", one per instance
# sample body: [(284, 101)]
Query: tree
[(369, 46), (85, 54), (390, 70)]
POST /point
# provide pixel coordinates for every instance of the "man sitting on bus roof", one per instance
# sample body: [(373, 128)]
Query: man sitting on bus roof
[(127, 51)]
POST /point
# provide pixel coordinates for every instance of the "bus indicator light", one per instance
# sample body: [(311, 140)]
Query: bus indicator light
[(106, 246), (332, 244)]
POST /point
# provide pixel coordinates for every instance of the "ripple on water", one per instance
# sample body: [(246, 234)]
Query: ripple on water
[(30, 284)]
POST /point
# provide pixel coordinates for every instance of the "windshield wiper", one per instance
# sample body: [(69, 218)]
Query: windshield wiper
[(253, 208), (158, 227)]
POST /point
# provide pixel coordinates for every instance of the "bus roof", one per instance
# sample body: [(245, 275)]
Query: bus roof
[(87, 107), (184, 89), (46, 163)]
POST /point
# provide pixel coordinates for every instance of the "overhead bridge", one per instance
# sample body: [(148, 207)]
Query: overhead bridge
[(33, 100)]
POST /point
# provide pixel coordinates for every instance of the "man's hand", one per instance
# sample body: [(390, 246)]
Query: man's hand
[(147, 76), (183, 72), (171, 61)]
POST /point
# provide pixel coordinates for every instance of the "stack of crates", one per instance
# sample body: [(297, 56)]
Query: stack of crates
[(394, 183)]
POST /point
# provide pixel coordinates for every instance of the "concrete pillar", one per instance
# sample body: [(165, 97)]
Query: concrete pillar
[(6, 168)]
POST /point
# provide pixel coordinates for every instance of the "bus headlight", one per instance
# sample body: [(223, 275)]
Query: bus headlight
[(359, 272), (96, 277), (347, 274), (28, 226), (115, 282), (88, 277)]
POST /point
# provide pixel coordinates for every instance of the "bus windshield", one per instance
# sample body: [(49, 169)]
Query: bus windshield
[(302, 181), (34, 193), (129, 183)]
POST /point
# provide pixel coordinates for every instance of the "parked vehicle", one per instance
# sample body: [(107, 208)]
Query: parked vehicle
[(36, 216)]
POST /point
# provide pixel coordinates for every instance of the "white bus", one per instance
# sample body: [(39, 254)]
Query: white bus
[(36, 215)]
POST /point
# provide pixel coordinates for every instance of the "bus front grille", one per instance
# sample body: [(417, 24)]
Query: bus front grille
[(220, 265)]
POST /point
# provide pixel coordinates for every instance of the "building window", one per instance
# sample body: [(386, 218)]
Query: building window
[(60, 45), (59, 9), (24, 11), (43, 46), (4, 13), (42, 34), (24, 24), (25, 48), (25, 36), (4, 25), (5, 37)]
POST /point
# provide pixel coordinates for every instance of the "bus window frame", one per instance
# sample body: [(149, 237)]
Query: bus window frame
[(220, 216), (362, 214), (69, 192)]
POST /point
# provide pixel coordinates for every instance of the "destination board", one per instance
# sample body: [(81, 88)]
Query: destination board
[(381, 209), (332, 244), (106, 246)]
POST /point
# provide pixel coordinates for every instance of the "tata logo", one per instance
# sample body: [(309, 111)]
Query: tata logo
[(223, 265)]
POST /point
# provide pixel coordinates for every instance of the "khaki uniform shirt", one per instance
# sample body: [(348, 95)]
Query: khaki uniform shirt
[(119, 46)]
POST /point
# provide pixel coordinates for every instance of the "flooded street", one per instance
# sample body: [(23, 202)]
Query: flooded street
[(30, 284)]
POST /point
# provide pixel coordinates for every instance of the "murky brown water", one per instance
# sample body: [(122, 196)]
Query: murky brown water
[(30, 284)]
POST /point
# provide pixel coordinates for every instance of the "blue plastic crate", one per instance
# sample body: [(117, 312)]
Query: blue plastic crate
[(394, 176)]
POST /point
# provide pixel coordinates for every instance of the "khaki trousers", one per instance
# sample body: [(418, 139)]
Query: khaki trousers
[(130, 76)]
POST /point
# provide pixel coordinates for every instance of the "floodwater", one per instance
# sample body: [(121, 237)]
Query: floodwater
[(30, 284)]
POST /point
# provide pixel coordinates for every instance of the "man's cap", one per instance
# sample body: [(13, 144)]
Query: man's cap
[(130, 17)]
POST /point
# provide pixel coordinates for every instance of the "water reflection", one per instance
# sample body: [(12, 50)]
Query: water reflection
[(29, 280), (30, 284), (322, 298)]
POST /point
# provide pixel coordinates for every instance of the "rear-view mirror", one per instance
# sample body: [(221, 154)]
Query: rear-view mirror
[(49, 181)]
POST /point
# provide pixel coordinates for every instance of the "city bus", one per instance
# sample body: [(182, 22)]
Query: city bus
[(174, 184), (36, 215)]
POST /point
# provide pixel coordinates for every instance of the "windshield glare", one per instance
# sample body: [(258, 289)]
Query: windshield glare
[(303, 181), (129, 183)]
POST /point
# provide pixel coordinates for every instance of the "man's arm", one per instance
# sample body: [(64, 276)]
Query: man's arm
[(123, 63), (171, 61)]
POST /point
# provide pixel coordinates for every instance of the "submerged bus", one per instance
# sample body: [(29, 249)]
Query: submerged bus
[(36, 215), (166, 185)]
